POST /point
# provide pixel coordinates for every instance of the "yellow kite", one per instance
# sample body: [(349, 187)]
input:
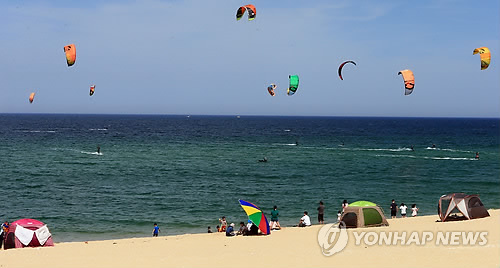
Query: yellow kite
[(485, 54)]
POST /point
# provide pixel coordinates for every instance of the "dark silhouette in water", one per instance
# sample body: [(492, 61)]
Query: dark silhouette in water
[(433, 145), (412, 149), (263, 160), (98, 149), (477, 155)]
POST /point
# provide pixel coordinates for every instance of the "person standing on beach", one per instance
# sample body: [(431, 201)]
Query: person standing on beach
[(344, 205), (275, 224), (223, 224), (321, 211), (403, 208), (414, 210), (394, 209), (156, 230)]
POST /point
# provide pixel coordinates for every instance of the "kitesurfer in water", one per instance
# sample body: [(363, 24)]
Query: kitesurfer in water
[(98, 149), (433, 145), (477, 155), (412, 149), (263, 160), (297, 143)]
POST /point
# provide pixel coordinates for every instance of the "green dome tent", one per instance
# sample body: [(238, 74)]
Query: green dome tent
[(363, 214), (363, 204)]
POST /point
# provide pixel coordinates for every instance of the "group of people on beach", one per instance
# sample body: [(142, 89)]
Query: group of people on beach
[(245, 229), (402, 208), (305, 221), (251, 229)]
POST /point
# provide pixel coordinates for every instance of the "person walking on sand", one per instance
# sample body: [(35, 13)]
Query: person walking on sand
[(403, 208), (275, 224), (321, 211), (394, 209), (156, 230), (414, 210)]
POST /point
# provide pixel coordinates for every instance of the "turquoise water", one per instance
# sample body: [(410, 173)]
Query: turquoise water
[(186, 172)]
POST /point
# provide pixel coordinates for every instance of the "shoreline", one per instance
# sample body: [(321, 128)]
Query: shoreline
[(170, 233), (289, 247)]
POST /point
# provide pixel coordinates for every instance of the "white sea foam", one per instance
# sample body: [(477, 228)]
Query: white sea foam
[(382, 149), (426, 157), (394, 155), (451, 158), (39, 131), (92, 153)]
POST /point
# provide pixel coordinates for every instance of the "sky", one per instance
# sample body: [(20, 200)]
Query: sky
[(192, 57)]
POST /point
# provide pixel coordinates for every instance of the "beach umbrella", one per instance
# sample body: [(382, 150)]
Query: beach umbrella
[(256, 215)]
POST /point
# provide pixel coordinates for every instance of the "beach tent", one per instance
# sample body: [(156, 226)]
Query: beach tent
[(460, 206), (363, 214), (28, 233)]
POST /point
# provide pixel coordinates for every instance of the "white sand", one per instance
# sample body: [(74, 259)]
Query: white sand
[(290, 247)]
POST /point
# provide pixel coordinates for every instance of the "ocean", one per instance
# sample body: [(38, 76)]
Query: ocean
[(186, 172)]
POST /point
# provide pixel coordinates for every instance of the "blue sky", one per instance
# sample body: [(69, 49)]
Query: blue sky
[(193, 57)]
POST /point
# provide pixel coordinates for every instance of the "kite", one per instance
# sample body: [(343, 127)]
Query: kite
[(294, 84), (342, 66), (70, 51), (32, 97), (485, 55), (409, 80), (251, 12), (271, 89), (92, 89)]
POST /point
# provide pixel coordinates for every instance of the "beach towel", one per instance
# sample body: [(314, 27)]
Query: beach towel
[(24, 235), (43, 234)]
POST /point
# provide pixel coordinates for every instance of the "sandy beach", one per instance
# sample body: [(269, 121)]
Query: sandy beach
[(289, 247)]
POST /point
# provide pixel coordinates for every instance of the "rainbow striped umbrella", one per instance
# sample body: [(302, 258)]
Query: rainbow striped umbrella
[(256, 215)]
